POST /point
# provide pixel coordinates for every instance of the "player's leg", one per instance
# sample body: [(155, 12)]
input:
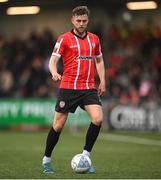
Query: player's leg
[(52, 139), (96, 115)]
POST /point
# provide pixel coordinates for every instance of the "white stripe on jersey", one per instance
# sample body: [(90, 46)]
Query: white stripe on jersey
[(100, 52), (56, 54), (99, 56), (59, 44), (78, 69), (89, 67)]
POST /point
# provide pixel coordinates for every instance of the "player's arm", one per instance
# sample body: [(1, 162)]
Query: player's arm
[(101, 73), (53, 67)]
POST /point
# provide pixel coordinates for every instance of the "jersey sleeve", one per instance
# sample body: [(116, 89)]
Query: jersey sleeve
[(59, 47), (98, 52)]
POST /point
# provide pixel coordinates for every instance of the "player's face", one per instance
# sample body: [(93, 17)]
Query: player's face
[(80, 23)]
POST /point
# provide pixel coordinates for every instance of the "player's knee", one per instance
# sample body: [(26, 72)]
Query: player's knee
[(57, 127), (97, 120)]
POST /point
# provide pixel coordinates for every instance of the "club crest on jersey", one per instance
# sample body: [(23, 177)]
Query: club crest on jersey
[(61, 104)]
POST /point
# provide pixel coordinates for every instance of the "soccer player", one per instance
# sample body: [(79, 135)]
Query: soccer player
[(81, 52)]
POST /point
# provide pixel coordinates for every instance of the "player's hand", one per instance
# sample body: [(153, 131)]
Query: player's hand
[(56, 77), (101, 88)]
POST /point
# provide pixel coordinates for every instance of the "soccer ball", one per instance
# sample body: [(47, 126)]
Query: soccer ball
[(80, 163)]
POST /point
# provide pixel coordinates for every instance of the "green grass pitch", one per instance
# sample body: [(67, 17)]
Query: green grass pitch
[(21, 154)]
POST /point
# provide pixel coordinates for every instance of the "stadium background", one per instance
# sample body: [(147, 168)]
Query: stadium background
[(131, 45)]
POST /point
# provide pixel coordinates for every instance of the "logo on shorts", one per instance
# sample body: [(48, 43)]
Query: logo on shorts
[(99, 98), (61, 104)]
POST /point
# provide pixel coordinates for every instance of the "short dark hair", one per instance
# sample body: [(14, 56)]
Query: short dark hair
[(80, 10)]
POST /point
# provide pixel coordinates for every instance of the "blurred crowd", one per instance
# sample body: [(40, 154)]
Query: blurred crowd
[(24, 65), (132, 59), (133, 64)]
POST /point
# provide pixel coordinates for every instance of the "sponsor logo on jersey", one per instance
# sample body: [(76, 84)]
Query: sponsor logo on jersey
[(61, 104), (85, 57)]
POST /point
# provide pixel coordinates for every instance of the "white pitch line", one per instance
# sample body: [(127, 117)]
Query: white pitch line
[(130, 139)]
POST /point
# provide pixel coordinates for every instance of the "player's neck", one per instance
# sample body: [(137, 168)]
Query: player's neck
[(79, 34)]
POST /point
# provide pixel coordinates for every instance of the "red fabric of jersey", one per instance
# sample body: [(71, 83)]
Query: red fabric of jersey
[(78, 55)]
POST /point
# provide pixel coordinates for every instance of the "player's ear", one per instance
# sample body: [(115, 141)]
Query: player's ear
[(88, 20), (72, 19)]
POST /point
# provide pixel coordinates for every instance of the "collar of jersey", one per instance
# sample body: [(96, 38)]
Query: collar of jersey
[(72, 31)]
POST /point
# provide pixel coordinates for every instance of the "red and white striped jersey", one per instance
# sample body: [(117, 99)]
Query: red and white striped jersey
[(78, 55)]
